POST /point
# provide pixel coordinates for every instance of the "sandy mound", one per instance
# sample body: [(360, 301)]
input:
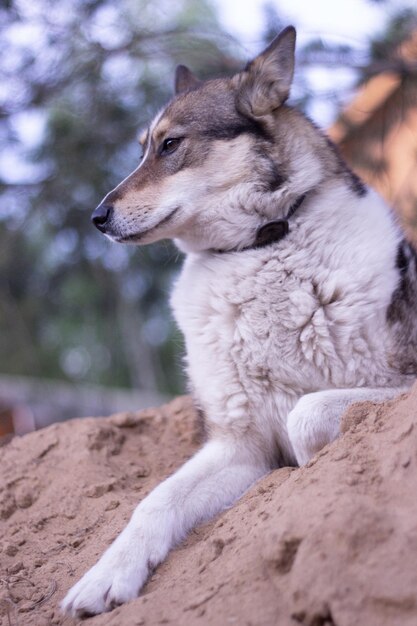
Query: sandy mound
[(333, 543)]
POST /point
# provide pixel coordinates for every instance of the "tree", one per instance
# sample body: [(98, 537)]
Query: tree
[(84, 76)]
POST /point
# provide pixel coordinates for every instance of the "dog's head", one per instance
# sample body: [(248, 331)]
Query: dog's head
[(211, 160)]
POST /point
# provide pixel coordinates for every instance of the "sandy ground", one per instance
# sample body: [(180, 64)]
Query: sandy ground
[(332, 543)]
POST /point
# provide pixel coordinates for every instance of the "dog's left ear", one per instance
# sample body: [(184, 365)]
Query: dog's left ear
[(185, 80), (265, 83)]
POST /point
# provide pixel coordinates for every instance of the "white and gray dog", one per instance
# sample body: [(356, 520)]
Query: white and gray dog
[(297, 297)]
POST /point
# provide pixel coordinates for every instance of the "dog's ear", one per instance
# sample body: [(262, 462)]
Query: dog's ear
[(185, 80), (265, 83)]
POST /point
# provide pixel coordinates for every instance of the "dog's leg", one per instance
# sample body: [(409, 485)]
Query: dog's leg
[(209, 482), (315, 419)]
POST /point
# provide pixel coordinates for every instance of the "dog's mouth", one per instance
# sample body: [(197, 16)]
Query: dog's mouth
[(138, 237)]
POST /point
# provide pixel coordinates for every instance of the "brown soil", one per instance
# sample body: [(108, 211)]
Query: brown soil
[(332, 543)]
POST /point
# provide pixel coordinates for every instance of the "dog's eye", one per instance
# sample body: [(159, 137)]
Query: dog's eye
[(170, 145)]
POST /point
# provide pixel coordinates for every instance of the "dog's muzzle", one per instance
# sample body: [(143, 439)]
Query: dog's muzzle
[(101, 216)]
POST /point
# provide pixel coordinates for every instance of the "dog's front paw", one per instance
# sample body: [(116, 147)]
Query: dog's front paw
[(115, 579)]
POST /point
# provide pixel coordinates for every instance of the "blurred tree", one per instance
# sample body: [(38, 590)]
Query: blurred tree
[(78, 79)]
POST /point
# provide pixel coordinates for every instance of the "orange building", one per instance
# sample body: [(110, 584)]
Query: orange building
[(377, 133)]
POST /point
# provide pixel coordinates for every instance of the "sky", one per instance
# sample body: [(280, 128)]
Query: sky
[(349, 21)]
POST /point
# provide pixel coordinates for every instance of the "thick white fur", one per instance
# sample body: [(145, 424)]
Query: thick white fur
[(280, 340), (265, 327)]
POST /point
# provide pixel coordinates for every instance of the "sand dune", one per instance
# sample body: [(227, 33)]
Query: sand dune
[(332, 543)]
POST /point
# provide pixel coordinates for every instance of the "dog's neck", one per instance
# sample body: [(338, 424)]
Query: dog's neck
[(271, 232)]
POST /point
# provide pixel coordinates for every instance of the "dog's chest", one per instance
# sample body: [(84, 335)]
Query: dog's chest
[(263, 321)]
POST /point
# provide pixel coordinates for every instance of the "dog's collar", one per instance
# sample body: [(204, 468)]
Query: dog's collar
[(272, 231)]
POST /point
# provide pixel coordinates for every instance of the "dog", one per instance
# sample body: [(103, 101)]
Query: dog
[(297, 296)]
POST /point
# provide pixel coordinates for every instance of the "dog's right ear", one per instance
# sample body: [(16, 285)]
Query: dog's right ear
[(265, 83), (185, 80)]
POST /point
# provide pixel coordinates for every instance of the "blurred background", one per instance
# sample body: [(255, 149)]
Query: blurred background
[(85, 327)]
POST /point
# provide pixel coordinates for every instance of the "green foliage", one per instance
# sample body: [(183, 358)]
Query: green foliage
[(90, 74)]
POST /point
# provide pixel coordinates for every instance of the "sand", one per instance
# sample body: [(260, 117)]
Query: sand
[(332, 543)]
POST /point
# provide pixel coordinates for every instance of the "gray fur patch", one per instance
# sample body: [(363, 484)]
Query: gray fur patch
[(401, 313), (354, 182)]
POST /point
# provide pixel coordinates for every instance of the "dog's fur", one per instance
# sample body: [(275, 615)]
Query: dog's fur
[(281, 338)]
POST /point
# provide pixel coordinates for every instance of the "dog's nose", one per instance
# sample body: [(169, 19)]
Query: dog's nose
[(101, 216)]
